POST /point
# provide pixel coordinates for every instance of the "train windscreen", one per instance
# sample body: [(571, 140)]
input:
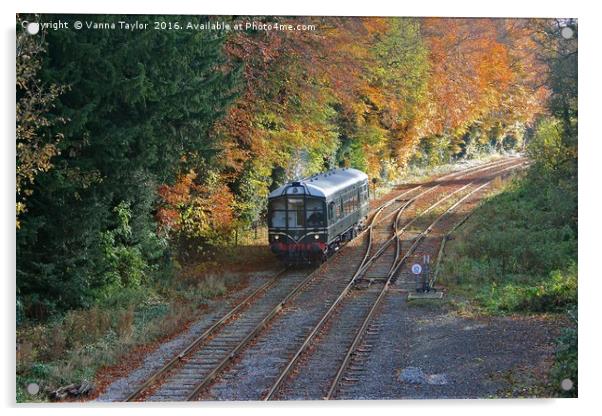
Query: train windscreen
[(277, 213), (314, 212), (295, 213)]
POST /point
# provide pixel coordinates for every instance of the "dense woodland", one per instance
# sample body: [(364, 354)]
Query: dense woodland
[(137, 151)]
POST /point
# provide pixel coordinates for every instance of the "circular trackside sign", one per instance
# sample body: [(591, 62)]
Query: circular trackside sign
[(416, 268)]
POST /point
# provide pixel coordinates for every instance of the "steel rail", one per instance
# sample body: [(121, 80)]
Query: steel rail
[(385, 245), (460, 174), (438, 181), (198, 340), (317, 327)]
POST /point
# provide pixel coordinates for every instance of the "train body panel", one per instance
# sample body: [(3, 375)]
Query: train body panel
[(310, 218)]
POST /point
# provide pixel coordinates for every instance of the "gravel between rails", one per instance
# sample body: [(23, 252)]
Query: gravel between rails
[(260, 364), (178, 385), (314, 371)]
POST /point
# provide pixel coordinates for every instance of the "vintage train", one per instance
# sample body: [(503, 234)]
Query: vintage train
[(310, 218)]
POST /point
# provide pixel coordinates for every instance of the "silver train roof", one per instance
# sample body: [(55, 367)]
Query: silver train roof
[(322, 185)]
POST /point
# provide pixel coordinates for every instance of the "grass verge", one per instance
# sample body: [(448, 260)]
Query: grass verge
[(74, 347)]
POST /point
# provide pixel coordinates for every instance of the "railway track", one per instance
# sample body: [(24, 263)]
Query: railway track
[(307, 382), (189, 372), (367, 326), (209, 353)]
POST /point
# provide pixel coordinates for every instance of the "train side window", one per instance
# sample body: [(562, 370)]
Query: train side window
[(331, 211), (349, 209)]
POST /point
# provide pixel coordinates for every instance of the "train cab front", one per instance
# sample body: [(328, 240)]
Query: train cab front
[(296, 220), (311, 248)]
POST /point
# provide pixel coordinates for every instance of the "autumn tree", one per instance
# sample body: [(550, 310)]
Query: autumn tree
[(480, 85)]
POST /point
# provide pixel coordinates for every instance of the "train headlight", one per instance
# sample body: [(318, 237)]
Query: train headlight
[(276, 237), (316, 236)]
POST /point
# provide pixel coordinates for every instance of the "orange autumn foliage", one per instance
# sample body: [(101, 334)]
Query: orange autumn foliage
[(477, 68), (197, 210)]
